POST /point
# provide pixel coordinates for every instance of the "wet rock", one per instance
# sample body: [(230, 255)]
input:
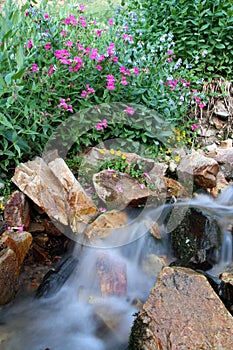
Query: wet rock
[(195, 236), (17, 210), (111, 271), (105, 224), (56, 277), (198, 168), (153, 228), (55, 190), (9, 275), (152, 264), (182, 312)]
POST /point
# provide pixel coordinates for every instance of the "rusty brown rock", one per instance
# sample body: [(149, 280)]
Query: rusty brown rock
[(54, 188), (111, 271), (198, 168), (17, 210), (182, 312), (19, 242), (224, 156), (9, 275)]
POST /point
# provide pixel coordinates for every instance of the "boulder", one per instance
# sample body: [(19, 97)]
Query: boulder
[(198, 168), (182, 312), (111, 271), (224, 157), (19, 242), (9, 275), (195, 236), (17, 210), (55, 190), (105, 224)]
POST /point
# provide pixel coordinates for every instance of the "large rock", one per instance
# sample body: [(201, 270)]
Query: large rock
[(198, 168), (9, 275), (17, 210), (119, 190), (182, 312), (13, 249), (195, 236), (55, 190), (105, 224), (224, 157), (19, 242), (111, 271)]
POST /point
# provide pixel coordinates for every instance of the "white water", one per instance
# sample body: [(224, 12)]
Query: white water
[(69, 321)]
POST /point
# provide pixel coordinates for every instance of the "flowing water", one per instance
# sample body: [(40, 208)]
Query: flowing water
[(77, 317)]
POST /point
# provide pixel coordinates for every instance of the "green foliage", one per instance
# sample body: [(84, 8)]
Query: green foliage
[(202, 30)]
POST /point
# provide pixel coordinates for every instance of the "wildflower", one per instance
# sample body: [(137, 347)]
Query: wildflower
[(47, 46), (68, 43), (170, 59), (102, 150), (34, 67), (29, 44), (98, 67), (124, 81), (123, 156), (118, 153), (99, 126), (63, 33), (194, 127), (94, 53), (147, 176), (136, 70), (1, 206), (119, 189), (142, 186), (102, 210), (129, 110), (112, 151), (46, 16), (18, 228), (81, 8), (111, 21), (115, 59), (111, 49), (202, 105), (204, 53), (26, 13), (169, 52), (51, 70), (98, 32)]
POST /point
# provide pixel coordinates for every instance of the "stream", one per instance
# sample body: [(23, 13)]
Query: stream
[(76, 316)]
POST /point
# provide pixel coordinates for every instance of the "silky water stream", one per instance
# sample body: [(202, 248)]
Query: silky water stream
[(76, 316)]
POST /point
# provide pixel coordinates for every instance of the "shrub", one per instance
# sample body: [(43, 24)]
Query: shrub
[(200, 28)]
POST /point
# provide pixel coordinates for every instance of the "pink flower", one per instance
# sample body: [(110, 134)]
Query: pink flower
[(26, 13), (194, 126), (68, 43), (0, 43), (47, 46), (94, 53), (51, 70), (34, 67), (20, 228), (29, 44), (129, 110), (46, 16), (81, 7), (119, 189), (111, 49), (142, 186), (98, 32), (111, 21), (170, 59), (124, 81), (84, 94), (202, 105), (99, 126), (110, 86), (102, 210), (169, 53), (98, 67), (115, 59), (64, 33), (136, 70), (101, 58)]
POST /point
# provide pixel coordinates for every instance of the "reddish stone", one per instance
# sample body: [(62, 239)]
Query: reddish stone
[(17, 210)]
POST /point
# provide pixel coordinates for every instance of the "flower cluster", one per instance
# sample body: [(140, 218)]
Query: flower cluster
[(99, 126)]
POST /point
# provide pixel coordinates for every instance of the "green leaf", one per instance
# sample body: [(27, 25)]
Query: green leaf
[(19, 57)]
